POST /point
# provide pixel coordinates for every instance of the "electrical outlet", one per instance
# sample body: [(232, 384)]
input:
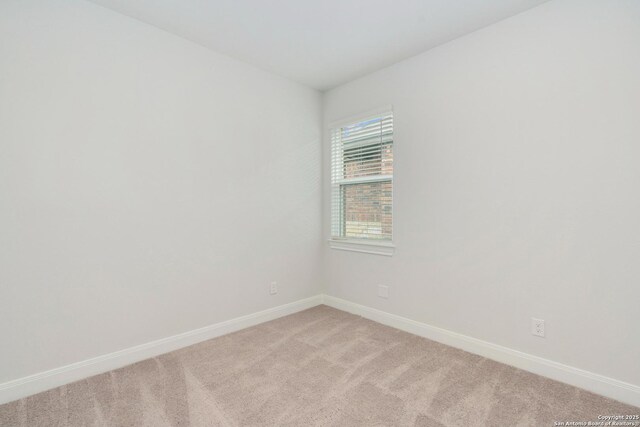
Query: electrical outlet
[(273, 288), (537, 327), (383, 291)]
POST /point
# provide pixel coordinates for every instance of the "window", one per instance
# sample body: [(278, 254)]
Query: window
[(362, 180)]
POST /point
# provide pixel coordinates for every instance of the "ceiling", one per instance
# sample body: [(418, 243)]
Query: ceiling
[(320, 43)]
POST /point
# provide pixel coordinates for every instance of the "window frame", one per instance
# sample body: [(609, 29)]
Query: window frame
[(371, 246)]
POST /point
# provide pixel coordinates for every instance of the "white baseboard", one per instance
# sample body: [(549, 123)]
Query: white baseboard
[(615, 389), (22, 387), (599, 384)]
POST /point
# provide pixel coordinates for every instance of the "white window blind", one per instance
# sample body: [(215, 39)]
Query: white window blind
[(362, 179)]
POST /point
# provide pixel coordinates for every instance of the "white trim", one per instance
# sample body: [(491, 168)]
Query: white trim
[(615, 389), (364, 179), (368, 247), (26, 386), (609, 387), (360, 117)]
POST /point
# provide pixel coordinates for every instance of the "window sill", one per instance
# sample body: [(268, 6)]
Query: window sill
[(376, 248)]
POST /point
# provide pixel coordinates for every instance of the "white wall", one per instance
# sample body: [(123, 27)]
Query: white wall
[(150, 187), (147, 185), (517, 186)]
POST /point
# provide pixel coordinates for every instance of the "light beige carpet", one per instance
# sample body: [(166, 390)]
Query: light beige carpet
[(319, 367)]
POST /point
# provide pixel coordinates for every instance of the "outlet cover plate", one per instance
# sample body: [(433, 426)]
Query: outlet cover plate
[(537, 327), (383, 291)]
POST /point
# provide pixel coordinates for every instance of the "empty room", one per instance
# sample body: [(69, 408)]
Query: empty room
[(319, 213)]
